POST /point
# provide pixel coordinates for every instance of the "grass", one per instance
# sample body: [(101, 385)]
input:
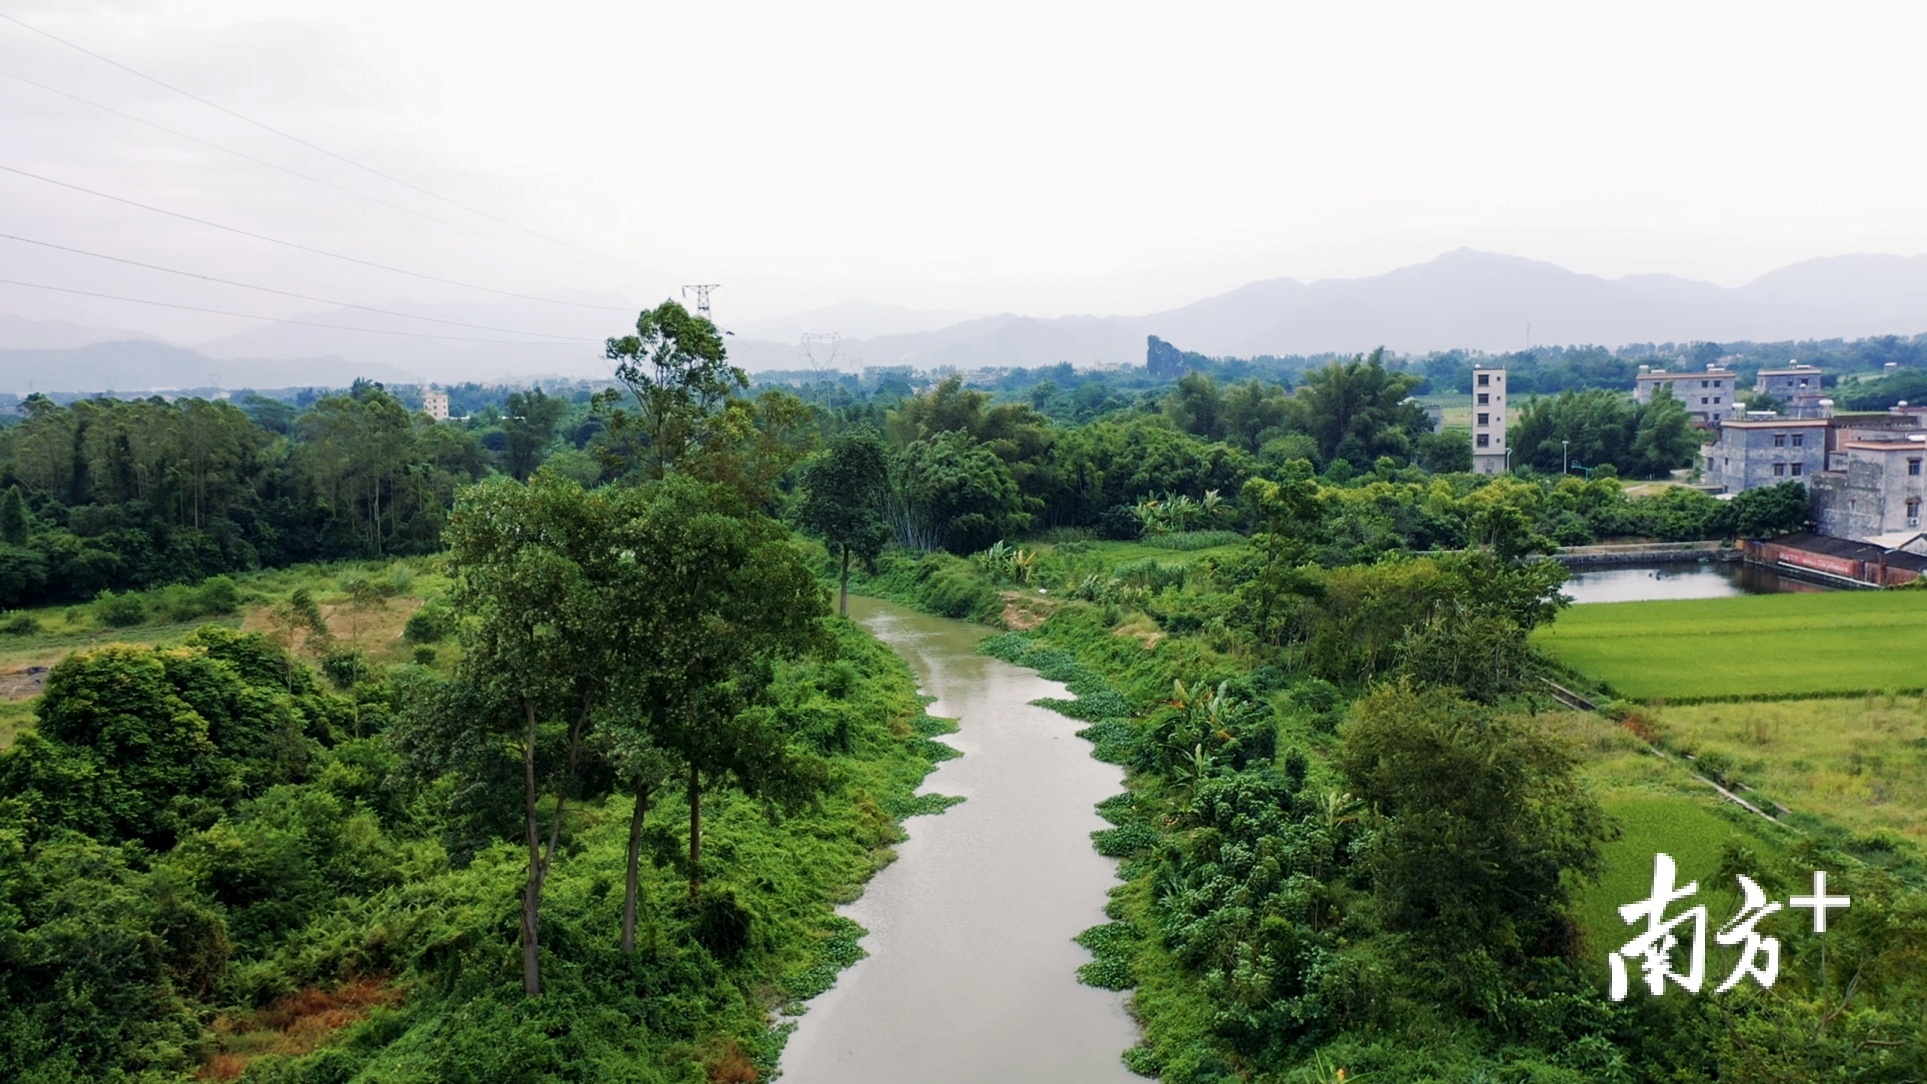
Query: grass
[(1117, 553), (1749, 647), (15, 716), (1660, 809), (1652, 823), (407, 584), (1860, 763)]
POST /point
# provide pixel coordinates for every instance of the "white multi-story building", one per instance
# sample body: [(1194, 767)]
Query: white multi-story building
[(1489, 453), (435, 405)]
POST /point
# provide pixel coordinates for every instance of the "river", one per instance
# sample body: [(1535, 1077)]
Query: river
[(1680, 579), (971, 974)]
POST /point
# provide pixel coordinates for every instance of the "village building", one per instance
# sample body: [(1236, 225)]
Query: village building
[(1873, 487), (1764, 450), (1841, 559), (1707, 396), (1489, 454), (435, 405), (1797, 385)]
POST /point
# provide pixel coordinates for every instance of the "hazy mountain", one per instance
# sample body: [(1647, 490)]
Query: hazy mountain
[(153, 366), (483, 340), (851, 320), (20, 333), (1461, 299)]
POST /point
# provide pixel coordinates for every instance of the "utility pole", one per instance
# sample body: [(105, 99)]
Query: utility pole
[(702, 296), (1565, 457)]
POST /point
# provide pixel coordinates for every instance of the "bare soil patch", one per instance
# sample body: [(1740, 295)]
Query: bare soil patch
[(1024, 612), (23, 684)]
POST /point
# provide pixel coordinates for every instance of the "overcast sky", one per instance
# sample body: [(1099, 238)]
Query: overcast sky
[(1035, 157)]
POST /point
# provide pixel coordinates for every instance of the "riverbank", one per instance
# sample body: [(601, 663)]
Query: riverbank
[(1247, 925), (971, 968), (357, 923)]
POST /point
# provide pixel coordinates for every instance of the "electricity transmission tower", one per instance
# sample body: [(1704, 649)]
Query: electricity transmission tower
[(702, 296), (829, 344)]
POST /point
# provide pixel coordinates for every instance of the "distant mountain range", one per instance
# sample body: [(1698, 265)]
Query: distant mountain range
[(145, 365), (1474, 300), (1465, 299)]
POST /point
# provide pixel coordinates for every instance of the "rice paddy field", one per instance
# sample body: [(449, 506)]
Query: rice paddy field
[(1753, 646), (1660, 808)]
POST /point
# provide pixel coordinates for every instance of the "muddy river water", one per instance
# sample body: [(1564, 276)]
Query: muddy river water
[(971, 974)]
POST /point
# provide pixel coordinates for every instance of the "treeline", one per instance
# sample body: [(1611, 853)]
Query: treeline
[(966, 470), (1549, 370), (118, 495), (105, 494), (1602, 428)]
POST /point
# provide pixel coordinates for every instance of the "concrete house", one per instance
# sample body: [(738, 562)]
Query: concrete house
[(1707, 396), (1872, 488), (1764, 451), (1797, 385), (1489, 454)]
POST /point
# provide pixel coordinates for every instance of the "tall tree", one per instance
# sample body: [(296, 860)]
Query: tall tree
[(1484, 827), (951, 492), (1664, 439), (1197, 406), (713, 592), (843, 493), (529, 423), (531, 563), (1359, 410), (675, 371), (13, 518)]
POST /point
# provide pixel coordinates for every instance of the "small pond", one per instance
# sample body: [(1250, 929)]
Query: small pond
[(1680, 579)]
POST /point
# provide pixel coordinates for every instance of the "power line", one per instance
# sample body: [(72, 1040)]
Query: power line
[(278, 319), (312, 146), (283, 293), (244, 156), (304, 248)]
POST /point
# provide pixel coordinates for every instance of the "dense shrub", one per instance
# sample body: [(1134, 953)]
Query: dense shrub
[(429, 625), (119, 611)]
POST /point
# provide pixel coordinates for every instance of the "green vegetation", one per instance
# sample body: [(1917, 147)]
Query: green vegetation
[(1859, 764), (1753, 647), (1305, 790), (1604, 428), (121, 496), (296, 888), (570, 791)]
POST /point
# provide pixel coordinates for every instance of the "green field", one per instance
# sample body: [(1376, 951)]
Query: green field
[(405, 584), (1654, 823), (1857, 763), (1458, 409), (1765, 646), (1659, 807)]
